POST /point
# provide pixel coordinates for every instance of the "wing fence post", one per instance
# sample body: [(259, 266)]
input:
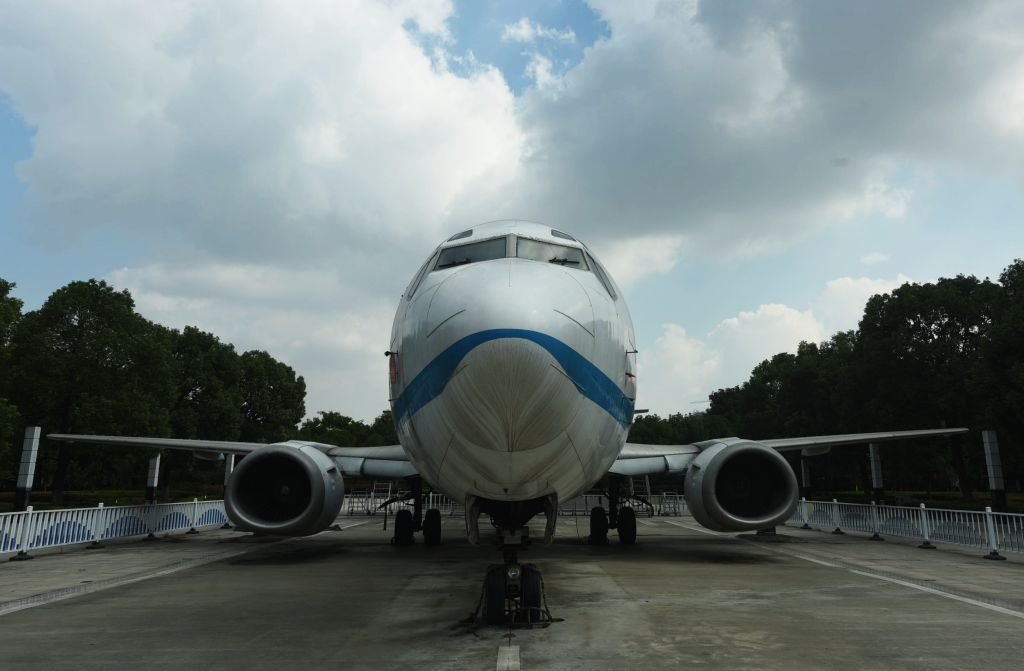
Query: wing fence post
[(990, 528), (927, 544), (23, 537), (835, 518), (803, 512), (97, 527), (874, 523), (195, 517)]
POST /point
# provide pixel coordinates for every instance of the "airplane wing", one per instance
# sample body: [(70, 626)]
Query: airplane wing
[(386, 461), (641, 459)]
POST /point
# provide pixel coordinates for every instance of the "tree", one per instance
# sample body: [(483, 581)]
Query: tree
[(10, 420), (337, 429), (85, 362), (273, 399), (921, 357), (208, 400)]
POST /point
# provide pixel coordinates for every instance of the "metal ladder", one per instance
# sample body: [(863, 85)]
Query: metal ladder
[(642, 487)]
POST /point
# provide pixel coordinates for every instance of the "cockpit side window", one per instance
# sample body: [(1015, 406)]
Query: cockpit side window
[(548, 252), (419, 276), (603, 276), (486, 250)]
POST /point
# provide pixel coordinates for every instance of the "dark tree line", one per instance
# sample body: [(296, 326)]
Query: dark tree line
[(86, 362), (948, 353)]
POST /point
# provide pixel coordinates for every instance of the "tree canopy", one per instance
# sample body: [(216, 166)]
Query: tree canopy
[(944, 353)]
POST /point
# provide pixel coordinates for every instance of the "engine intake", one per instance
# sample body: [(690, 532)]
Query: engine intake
[(739, 485), (285, 489)]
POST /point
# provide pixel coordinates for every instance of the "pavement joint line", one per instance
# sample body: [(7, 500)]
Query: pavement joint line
[(867, 574), (63, 593)]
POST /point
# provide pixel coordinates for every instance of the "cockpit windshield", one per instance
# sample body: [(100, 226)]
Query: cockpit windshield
[(548, 252), (486, 250)]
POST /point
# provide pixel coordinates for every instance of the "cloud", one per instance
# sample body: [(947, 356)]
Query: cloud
[(250, 132), (633, 259), (841, 304), (319, 151), (332, 332), (677, 373), (681, 369), (525, 30), (745, 129), (874, 258)]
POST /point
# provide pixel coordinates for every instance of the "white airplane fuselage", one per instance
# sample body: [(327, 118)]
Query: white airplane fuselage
[(512, 378)]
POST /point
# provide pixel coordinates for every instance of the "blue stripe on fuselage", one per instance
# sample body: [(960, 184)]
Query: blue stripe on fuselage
[(591, 382)]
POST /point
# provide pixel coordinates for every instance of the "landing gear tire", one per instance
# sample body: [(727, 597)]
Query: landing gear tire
[(533, 594), (598, 526), (494, 595), (627, 526), (526, 605), (432, 527), (403, 528)]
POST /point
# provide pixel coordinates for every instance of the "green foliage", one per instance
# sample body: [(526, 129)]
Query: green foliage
[(85, 362), (948, 353), (208, 400), (10, 420), (337, 429), (273, 398)]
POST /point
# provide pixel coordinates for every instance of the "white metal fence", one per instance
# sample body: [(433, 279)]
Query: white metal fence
[(971, 528), (34, 529)]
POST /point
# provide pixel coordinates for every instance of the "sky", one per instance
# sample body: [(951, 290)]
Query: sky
[(275, 172)]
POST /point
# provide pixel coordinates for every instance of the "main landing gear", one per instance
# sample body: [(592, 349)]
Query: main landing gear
[(408, 522), (619, 517)]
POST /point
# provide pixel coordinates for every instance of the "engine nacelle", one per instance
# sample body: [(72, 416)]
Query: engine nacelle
[(740, 485), (285, 489)]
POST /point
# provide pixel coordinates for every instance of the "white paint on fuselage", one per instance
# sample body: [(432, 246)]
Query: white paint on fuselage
[(508, 422)]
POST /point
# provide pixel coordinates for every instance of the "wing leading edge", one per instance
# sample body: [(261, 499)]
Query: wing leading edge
[(642, 459), (385, 461)]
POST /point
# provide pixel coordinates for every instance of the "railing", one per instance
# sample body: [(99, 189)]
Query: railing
[(35, 529), (969, 528), (662, 505), (364, 503)]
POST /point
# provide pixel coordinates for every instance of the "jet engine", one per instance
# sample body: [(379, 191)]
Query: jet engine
[(285, 489), (739, 485)]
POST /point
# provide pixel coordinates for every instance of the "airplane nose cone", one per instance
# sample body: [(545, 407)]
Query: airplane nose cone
[(509, 391)]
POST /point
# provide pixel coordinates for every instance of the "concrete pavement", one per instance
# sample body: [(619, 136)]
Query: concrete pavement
[(681, 597)]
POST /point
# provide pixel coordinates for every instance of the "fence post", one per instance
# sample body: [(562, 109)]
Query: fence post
[(151, 521), (803, 512), (22, 537), (874, 523), (835, 518), (27, 468), (927, 544), (195, 517), (990, 527), (97, 528)]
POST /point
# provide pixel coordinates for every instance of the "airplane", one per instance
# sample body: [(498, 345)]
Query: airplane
[(512, 379)]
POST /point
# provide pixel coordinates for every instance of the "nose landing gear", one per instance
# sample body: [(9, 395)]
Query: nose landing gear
[(513, 593)]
